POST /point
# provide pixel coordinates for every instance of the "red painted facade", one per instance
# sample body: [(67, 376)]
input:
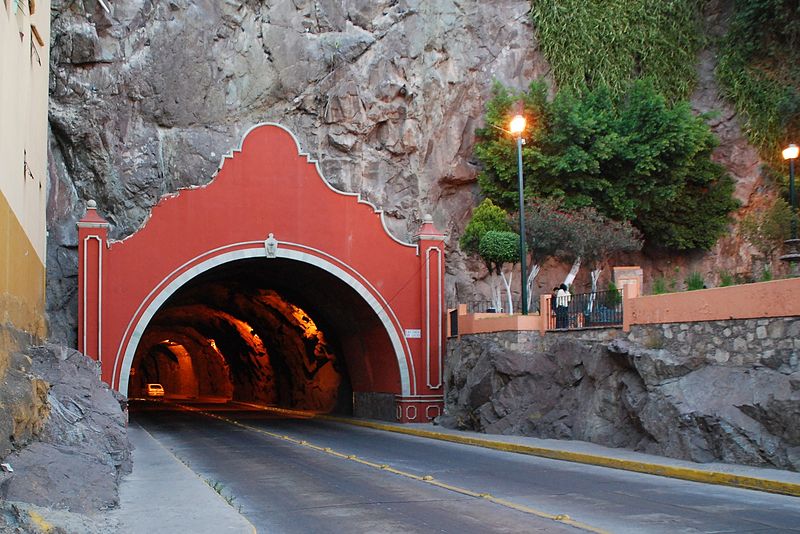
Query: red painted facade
[(270, 187)]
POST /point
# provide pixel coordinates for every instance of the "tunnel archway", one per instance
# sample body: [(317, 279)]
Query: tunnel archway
[(235, 296), (270, 219)]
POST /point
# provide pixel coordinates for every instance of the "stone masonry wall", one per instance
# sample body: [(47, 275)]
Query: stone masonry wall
[(772, 342), (717, 391)]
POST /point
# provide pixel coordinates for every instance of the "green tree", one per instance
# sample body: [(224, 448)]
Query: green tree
[(597, 238), (633, 158), (486, 217), (496, 249), (547, 233)]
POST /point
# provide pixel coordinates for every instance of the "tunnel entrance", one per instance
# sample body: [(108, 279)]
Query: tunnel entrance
[(268, 285), (276, 332)]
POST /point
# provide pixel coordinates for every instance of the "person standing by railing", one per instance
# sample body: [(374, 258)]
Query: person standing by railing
[(562, 306)]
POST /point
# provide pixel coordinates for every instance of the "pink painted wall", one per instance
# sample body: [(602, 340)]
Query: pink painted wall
[(481, 323), (269, 186), (778, 298)]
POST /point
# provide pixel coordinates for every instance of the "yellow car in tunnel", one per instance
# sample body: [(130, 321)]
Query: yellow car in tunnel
[(155, 390)]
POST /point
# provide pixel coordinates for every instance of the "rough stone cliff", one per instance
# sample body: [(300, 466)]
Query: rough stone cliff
[(386, 94)]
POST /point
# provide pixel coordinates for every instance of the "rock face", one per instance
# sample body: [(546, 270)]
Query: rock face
[(386, 94), (23, 399), (618, 393), (81, 450)]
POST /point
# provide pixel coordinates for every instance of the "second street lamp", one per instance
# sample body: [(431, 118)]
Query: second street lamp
[(516, 128), (791, 153), (792, 245)]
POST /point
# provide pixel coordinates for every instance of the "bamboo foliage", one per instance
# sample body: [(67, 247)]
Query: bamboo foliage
[(613, 42)]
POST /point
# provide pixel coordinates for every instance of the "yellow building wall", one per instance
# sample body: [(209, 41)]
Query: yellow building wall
[(23, 170)]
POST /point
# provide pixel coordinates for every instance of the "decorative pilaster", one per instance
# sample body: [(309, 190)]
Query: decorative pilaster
[(92, 243), (429, 401)]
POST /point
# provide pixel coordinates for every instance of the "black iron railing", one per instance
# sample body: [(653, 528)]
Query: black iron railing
[(486, 306), (583, 310), (481, 306)]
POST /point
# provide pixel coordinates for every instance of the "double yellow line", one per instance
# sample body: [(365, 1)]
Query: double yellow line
[(427, 479)]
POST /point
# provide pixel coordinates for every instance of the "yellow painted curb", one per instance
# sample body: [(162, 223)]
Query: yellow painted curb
[(683, 473)]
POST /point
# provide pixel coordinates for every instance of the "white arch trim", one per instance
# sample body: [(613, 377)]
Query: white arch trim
[(258, 251)]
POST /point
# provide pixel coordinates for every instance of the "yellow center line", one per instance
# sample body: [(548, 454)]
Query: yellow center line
[(427, 479)]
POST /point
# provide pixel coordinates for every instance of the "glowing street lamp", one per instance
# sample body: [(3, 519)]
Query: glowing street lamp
[(516, 128), (791, 153), (792, 245)]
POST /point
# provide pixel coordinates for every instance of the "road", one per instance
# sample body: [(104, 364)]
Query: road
[(290, 475)]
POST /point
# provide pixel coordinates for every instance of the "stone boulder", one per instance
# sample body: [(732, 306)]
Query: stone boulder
[(617, 393), (82, 449)]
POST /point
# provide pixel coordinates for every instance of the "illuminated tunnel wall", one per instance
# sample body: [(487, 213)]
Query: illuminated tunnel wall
[(272, 331)]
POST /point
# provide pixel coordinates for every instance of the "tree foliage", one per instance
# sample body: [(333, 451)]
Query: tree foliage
[(547, 230), (633, 158), (614, 42), (595, 238), (486, 217), (497, 248)]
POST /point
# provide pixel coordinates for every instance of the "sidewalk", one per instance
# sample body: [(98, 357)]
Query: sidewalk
[(755, 478), (162, 495)]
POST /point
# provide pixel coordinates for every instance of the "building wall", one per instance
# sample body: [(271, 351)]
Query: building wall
[(23, 170)]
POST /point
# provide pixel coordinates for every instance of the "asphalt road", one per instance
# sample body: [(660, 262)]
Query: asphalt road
[(294, 475)]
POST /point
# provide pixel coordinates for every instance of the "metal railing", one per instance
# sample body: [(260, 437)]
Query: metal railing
[(486, 306), (481, 306), (584, 310)]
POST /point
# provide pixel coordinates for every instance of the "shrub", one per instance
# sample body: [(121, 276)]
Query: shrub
[(725, 279), (694, 281), (660, 286), (614, 296)]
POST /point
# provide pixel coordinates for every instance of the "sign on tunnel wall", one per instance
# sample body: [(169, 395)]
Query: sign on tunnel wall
[(269, 202)]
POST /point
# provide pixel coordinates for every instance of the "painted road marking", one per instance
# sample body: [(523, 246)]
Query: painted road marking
[(427, 479)]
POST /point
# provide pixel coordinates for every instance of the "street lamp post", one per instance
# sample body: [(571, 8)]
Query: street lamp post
[(791, 153), (792, 251), (516, 128)]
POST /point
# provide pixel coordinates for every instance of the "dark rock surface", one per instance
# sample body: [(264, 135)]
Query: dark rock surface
[(620, 394), (81, 450), (386, 94), (23, 399)]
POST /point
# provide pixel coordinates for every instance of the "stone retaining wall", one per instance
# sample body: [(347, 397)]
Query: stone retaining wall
[(713, 391), (773, 342)]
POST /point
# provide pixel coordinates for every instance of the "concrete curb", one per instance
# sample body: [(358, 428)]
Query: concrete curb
[(679, 472)]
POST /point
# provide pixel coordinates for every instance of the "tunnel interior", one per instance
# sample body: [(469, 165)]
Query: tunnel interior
[(272, 331)]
